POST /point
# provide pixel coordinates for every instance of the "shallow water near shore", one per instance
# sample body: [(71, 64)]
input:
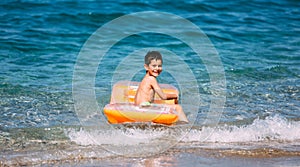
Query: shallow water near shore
[(253, 144), (258, 45)]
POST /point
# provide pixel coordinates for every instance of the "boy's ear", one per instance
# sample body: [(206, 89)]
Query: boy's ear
[(146, 67)]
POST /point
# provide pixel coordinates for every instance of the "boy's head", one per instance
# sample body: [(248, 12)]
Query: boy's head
[(153, 63), (152, 55)]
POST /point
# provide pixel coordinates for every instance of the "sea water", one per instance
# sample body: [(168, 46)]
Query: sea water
[(256, 46)]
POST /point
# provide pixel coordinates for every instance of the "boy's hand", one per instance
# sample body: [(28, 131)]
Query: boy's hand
[(175, 97), (176, 101)]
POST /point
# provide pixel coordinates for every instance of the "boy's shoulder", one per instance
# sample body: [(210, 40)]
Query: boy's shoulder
[(150, 79)]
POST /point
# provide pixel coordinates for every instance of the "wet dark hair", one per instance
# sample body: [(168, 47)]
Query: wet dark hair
[(152, 55)]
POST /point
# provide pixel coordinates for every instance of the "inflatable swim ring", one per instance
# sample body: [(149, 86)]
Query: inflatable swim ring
[(122, 109)]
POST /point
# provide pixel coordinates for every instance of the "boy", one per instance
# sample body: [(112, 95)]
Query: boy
[(149, 85)]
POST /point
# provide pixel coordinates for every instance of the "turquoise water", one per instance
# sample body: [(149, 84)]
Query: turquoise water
[(258, 43)]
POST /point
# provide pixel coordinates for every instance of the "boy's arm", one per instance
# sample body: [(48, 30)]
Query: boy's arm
[(160, 93)]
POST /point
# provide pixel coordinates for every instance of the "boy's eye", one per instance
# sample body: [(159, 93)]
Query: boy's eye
[(154, 66)]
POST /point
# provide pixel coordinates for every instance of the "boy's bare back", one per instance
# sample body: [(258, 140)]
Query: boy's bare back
[(146, 90)]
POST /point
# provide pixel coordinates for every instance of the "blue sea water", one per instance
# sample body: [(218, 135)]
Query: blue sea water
[(258, 44)]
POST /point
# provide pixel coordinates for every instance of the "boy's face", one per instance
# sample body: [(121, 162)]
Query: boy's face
[(154, 68)]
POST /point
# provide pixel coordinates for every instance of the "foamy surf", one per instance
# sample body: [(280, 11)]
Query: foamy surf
[(271, 128), (119, 137)]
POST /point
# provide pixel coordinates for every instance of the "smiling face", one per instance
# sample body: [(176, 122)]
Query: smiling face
[(154, 68)]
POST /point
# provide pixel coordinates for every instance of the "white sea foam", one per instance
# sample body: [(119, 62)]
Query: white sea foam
[(127, 142), (270, 128), (113, 136)]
